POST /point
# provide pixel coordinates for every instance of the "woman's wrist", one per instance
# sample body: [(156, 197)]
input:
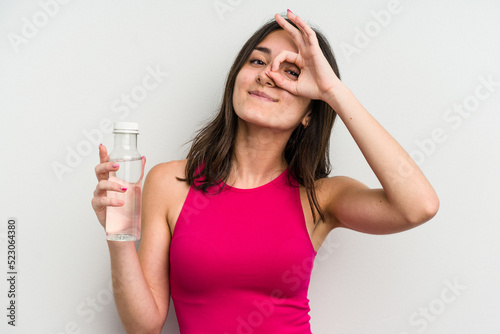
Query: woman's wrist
[(337, 96), (119, 245)]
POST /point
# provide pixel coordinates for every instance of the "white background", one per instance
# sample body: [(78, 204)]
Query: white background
[(65, 69)]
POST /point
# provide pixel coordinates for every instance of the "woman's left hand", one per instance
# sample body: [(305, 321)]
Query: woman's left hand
[(317, 79)]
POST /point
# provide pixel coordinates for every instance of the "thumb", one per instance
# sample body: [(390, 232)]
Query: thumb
[(283, 82), (103, 153)]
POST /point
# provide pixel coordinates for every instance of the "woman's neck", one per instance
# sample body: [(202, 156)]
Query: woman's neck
[(258, 156)]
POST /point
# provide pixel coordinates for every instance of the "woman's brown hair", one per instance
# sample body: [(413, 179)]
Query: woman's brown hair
[(307, 150)]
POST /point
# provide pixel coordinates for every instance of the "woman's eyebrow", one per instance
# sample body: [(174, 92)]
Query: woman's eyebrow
[(263, 49)]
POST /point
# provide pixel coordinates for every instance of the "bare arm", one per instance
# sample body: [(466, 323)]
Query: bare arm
[(406, 199), (140, 281)]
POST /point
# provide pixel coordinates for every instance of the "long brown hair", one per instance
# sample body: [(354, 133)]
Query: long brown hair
[(307, 150)]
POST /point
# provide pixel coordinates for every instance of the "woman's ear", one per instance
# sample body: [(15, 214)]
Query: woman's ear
[(307, 118)]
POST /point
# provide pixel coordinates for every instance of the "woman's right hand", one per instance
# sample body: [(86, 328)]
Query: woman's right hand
[(100, 200)]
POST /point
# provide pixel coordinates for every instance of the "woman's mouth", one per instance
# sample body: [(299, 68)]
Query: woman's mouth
[(262, 96)]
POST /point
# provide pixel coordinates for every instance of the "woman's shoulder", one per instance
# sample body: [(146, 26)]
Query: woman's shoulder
[(164, 193), (169, 168), (166, 175)]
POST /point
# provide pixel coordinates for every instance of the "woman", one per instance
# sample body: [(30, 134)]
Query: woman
[(231, 232)]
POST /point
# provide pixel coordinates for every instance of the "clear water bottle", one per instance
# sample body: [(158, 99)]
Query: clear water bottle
[(124, 223)]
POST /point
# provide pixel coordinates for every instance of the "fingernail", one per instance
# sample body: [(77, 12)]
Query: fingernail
[(114, 165), (124, 188), (100, 144), (288, 10)]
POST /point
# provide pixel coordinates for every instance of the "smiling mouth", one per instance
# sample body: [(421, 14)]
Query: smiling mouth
[(261, 95)]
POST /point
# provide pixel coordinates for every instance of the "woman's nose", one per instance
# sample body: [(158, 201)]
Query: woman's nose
[(265, 79)]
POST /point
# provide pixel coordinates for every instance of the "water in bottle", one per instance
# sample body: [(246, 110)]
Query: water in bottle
[(124, 223)]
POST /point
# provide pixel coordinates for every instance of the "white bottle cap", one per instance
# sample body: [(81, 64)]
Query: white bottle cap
[(125, 127)]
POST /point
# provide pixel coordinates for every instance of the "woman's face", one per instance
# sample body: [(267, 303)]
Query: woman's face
[(256, 98)]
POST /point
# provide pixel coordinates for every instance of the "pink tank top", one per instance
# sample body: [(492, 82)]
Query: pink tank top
[(241, 261)]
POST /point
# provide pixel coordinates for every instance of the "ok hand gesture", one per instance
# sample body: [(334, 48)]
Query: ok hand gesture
[(317, 79)]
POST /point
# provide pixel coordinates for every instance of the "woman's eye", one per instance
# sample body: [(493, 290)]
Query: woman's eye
[(293, 73), (257, 62)]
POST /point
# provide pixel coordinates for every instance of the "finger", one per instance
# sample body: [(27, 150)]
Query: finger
[(103, 153), (283, 56), (294, 33), (102, 170), (294, 18), (303, 26), (105, 185), (284, 83), (309, 35), (98, 203)]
